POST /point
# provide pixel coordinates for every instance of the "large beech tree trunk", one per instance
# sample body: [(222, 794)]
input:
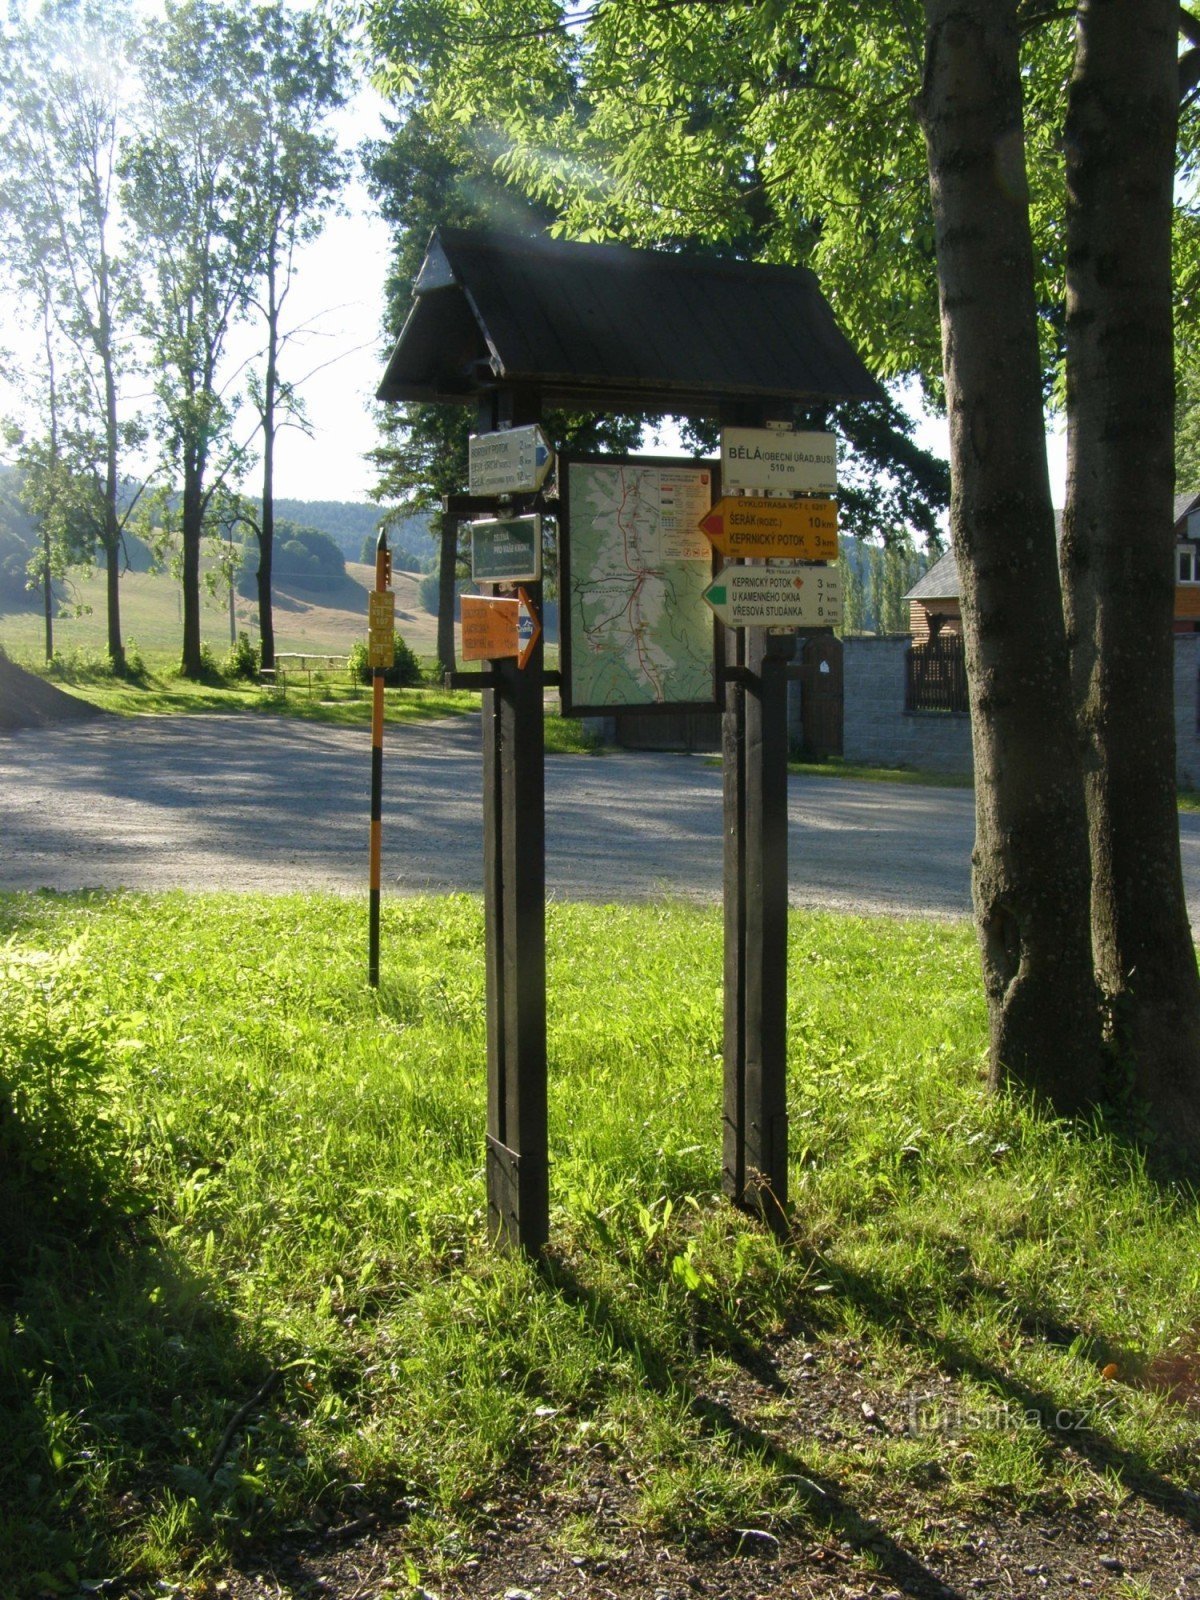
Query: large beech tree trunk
[(1030, 865), (1117, 553)]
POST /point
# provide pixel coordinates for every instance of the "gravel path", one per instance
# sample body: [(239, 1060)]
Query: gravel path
[(241, 804)]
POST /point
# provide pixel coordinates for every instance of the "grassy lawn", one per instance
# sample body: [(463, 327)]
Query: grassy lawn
[(836, 768), (160, 691), (256, 1299)]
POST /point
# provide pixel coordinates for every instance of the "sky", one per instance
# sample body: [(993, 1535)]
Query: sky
[(338, 352), (338, 294)]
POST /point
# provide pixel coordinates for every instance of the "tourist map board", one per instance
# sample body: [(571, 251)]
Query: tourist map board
[(634, 565)]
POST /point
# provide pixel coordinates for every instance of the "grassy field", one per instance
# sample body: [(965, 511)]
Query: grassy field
[(329, 699), (249, 1298), (152, 620)]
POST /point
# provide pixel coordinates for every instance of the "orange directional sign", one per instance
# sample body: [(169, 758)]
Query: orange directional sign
[(796, 530), (489, 628)]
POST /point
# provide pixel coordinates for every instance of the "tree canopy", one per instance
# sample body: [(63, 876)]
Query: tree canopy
[(984, 188)]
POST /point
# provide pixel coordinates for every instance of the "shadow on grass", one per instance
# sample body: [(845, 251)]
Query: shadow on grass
[(129, 1398), (826, 1501), (1061, 1426)]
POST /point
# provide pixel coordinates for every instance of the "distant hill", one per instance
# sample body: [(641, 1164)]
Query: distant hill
[(349, 523)]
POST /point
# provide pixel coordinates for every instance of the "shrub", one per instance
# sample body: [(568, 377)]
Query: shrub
[(404, 672), (242, 660)]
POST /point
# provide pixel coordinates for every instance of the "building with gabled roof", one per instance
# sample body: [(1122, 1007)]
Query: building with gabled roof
[(935, 600)]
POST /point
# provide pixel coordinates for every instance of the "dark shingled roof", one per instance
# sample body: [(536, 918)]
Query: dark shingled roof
[(607, 327), (939, 583)]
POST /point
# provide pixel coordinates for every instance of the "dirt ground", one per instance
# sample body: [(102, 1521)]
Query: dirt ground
[(894, 1538), (27, 701)]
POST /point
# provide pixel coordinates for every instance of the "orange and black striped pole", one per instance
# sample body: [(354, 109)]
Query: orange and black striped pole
[(380, 647)]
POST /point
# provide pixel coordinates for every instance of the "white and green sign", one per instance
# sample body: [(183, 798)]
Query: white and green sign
[(778, 596), (506, 550)]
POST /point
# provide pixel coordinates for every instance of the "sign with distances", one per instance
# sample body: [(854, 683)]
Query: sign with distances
[(777, 597), (512, 461), (805, 530), (489, 628), (506, 550), (778, 458), (381, 628)]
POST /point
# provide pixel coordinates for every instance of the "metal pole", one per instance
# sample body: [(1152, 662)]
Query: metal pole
[(383, 572)]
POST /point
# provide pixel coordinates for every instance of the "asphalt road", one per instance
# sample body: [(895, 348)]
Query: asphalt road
[(243, 804)]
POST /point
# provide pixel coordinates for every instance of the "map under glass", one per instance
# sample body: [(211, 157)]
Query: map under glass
[(637, 632)]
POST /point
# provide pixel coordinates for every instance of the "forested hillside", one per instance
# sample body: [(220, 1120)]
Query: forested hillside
[(351, 523)]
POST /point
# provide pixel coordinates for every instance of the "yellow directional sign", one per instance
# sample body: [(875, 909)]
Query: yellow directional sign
[(796, 530), (381, 628)]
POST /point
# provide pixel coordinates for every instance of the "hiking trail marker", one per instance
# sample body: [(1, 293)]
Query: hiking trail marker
[(381, 628), (510, 461), (795, 530), (511, 325), (778, 458), (489, 628), (506, 549), (778, 596), (499, 629)]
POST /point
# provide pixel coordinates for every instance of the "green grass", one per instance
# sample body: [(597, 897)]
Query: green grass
[(247, 1196), (834, 767), (160, 691)]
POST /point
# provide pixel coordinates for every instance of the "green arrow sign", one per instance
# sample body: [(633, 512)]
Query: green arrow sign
[(778, 596)]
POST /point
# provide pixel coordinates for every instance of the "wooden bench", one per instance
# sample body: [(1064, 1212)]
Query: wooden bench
[(291, 666)]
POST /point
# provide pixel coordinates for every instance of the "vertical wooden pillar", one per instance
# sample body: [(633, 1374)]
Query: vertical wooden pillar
[(754, 740), (514, 849)]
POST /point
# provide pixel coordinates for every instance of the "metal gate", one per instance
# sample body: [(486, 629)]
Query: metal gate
[(821, 697)]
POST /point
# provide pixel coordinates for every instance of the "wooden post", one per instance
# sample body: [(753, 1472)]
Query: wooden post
[(383, 575), (755, 749), (514, 850)]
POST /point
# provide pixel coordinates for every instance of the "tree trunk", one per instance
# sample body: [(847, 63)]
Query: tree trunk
[(266, 527), (1030, 863), (447, 574), (112, 520), (1117, 555), (48, 593), (112, 597), (191, 663)]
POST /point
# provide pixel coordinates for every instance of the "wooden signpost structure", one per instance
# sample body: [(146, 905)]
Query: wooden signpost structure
[(510, 325)]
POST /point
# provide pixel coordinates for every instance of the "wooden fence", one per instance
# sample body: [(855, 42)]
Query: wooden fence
[(935, 677)]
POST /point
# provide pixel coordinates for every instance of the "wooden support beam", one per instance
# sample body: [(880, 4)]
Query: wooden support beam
[(514, 833), (755, 748), (754, 734)]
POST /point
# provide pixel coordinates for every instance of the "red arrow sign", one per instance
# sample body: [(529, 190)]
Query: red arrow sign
[(527, 605)]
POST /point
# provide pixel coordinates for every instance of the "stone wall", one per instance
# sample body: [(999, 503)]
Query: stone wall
[(1187, 710), (877, 729)]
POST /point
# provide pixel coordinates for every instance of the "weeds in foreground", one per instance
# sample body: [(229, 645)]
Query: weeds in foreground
[(286, 1308)]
